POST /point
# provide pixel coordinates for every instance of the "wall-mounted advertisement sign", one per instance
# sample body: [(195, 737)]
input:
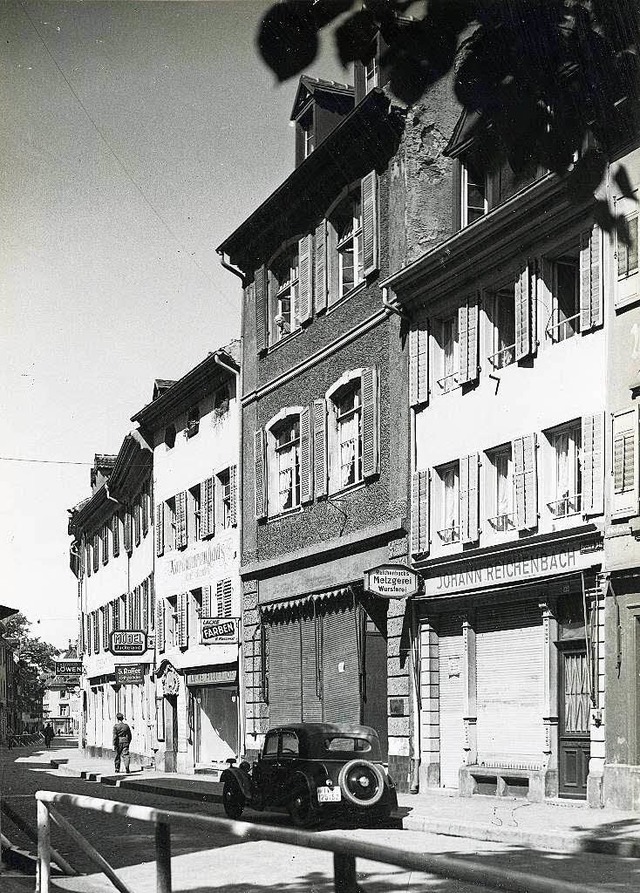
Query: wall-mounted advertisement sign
[(392, 581), (128, 641), (219, 630), (68, 668), (129, 674), (228, 676)]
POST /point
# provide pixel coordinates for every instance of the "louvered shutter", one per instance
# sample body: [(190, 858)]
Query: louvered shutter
[(259, 473), (89, 561), (223, 598), (370, 223), (320, 447), (370, 422), (206, 601), (469, 531), (181, 520), (160, 624), (593, 464), (115, 534), (306, 478), (207, 517), (96, 631), (152, 601), (309, 670), (145, 509), (105, 627), (105, 543), (160, 529), (137, 521), (128, 532), (320, 267), (420, 513), (183, 627), (624, 502), (591, 311), (88, 639), (523, 314), (145, 605), (82, 557), (525, 481), (285, 687), (419, 363), (305, 278), (115, 614), (233, 495), (96, 552), (468, 341), (258, 292)]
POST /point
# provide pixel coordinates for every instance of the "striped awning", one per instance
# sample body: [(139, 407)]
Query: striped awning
[(273, 609)]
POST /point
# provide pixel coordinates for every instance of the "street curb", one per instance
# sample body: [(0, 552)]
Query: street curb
[(183, 793), (539, 840)]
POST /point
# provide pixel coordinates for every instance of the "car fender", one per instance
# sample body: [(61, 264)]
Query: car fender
[(243, 780), (304, 778)]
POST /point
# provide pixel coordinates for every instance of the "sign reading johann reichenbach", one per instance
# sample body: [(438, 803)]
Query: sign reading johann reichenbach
[(512, 567)]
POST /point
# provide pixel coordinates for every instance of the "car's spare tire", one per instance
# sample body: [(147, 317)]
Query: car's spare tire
[(361, 782)]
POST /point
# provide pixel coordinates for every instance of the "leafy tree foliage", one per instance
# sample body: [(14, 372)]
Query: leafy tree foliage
[(35, 660), (540, 75)]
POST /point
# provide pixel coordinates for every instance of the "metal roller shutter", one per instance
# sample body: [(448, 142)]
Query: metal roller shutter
[(340, 665), (285, 689), (311, 703), (451, 660), (509, 666)]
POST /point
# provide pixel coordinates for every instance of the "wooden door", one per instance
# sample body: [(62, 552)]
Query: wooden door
[(573, 723)]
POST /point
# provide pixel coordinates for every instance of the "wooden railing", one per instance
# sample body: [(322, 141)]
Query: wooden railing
[(345, 851)]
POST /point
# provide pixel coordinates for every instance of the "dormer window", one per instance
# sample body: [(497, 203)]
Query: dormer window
[(371, 73), (473, 193), (307, 129)]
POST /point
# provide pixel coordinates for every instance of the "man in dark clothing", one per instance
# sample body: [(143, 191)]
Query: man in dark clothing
[(48, 734), (121, 742)]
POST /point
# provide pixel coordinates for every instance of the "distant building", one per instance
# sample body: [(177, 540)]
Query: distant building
[(10, 719), (62, 701)]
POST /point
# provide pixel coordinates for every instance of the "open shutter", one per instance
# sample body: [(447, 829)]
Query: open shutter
[(320, 270), (624, 501), (115, 534), (160, 627), (525, 481), (233, 495), (181, 520), (469, 525), (370, 413), (523, 314), (468, 340), (305, 279), (320, 447), (370, 223), (206, 601), (259, 471), (419, 363), (128, 531), (420, 513), (160, 529), (593, 464), (306, 480), (96, 552), (145, 509), (207, 509), (591, 279), (259, 293), (183, 612)]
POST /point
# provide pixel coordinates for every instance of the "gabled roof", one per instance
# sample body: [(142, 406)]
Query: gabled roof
[(309, 86), (468, 126)]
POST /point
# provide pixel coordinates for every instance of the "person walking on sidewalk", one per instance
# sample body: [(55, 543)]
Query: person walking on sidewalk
[(121, 742), (48, 734)]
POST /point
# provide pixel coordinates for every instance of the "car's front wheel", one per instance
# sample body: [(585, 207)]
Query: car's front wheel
[(233, 799), (301, 807)]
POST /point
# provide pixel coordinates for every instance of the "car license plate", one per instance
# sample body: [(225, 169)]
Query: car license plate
[(329, 795)]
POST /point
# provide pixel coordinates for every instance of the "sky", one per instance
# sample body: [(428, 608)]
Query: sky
[(135, 136)]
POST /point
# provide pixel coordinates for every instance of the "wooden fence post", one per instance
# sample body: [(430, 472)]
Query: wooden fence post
[(344, 873), (163, 857), (44, 848)]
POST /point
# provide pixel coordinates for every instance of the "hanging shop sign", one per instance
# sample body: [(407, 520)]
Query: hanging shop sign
[(219, 631), (392, 581), (129, 674), (67, 668), (128, 641)]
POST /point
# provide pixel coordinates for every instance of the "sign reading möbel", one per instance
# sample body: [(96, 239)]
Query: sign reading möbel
[(392, 581), (128, 641)]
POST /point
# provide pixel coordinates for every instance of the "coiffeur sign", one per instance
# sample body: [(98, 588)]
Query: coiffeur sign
[(392, 581)]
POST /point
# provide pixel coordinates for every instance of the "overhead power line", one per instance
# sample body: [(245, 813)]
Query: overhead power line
[(42, 461)]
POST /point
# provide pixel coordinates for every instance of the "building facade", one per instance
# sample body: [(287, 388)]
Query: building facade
[(10, 719), (193, 426), (62, 701)]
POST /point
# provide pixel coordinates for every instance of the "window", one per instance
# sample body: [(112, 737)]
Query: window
[(564, 285), (347, 407), (287, 465), (501, 504), (346, 221), (627, 252), (171, 523), (449, 531), (504, 328), (270, 748), (172, 621), (289, 744), (225, 497), (483, 187), (624, 501), (473, 193), (193, 421), (307, 133), (449, 354), (566, 444), (371, 73), (193, 524), (63, 694), (284, 294), (64, 710), (221, 399)]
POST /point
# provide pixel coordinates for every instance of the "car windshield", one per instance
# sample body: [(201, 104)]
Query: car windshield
[(347, 745)]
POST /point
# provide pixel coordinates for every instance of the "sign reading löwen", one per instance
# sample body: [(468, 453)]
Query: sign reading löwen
[(392, 581), (128, 641), (219, 630), (68, 668)]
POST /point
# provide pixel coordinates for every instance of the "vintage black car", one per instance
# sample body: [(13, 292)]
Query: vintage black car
[(313, 770)]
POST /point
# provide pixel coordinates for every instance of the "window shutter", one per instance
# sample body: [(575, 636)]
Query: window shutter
[(96, 631), (115, 533), (105, 628), (137, 521), (591, 279), (181, 520), (320, 447), (128, 532), (420, 513), (305, 279), (88, 635), (370, 223), (160, 528), (160, 627), (233, 495), (468, 340), (144, 605), (183, 631), (152, 601), (207, 508), (306, 480), (523, 314), (145, 509), (206, 601), (624, 502), (370, 433), (259, 471), (105, 544), (88, 558), (469, 524), (258, 292), (96, 552), (525, 481), (223, 598), (419, 363), (593, 464), (320, 269)]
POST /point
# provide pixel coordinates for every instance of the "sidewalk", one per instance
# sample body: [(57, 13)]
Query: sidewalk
[(563, 826)]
